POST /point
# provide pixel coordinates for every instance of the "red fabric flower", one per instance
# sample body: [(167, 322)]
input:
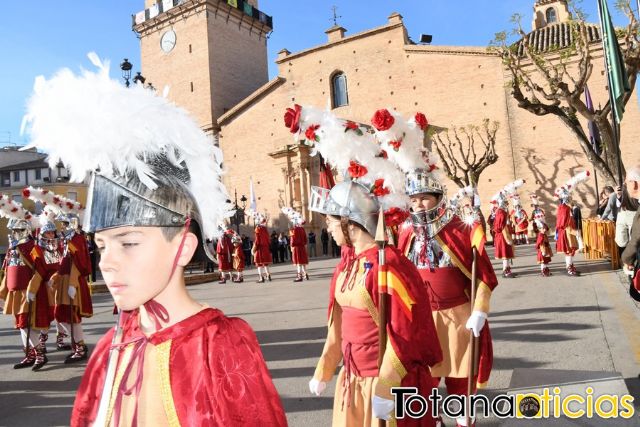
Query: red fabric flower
[(382, 119), (383, 154), (432, 167), (352, 126), (356, 170), (395, 216), (396, 144), (292, 118), (26, 193), (421, 120), (378, 188), (310, 133)]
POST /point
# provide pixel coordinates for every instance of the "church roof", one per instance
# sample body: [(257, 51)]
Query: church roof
[(556, 36)]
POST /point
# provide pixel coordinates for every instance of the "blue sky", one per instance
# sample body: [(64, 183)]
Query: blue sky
[(41, 37)]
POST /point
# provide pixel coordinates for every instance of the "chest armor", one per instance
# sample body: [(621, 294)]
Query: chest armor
[(426, 252), (51, 257), (14, 258)]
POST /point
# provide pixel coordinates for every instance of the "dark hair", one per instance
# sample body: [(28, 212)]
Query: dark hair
[(608, 189), (627, 203), (170, 233)]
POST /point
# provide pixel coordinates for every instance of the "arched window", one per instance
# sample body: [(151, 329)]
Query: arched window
[(339, 90), (551, 16)]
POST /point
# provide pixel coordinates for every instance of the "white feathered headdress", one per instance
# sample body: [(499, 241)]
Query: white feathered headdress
[(11, 209), (352, 149), (565, 190), (295, 217), (502, 196), (91, 122)]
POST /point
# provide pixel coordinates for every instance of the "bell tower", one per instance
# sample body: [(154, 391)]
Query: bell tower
[(211, 53), (546, 12)]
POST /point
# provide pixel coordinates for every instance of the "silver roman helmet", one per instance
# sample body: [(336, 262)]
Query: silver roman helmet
[(150, 164), (347, 199)]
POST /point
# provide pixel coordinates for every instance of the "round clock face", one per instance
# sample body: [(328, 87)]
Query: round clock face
[(168, 41)]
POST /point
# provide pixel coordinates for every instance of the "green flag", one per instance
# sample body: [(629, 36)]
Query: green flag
[(616, 72)]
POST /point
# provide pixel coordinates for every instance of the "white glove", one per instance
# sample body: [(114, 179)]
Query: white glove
[(31, 296), (476, 322), (71, 292), (381, 407), (317, 387)]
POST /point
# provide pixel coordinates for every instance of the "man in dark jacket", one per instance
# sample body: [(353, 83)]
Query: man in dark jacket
[(630, 255)]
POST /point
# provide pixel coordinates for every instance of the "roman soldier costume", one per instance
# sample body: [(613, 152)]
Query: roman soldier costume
[(151, 165), (261, 249), (224, 252), (542, 244), (520, 221), (238, 258), (566, 230), (369, 370), (438, 242), (23, 286), (536, 212), (502, 241), (298, 242)]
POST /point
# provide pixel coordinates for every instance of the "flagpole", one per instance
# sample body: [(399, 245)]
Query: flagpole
[(614, 116)]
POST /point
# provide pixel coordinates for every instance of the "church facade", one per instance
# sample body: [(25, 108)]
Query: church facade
[(355, 75)]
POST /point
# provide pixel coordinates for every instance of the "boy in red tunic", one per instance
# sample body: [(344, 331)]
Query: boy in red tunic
[(502, 241), (542, 245), (298, 242), (566, 229), (170, 360), (23, 284), (261, 250), (238, 258), (352, 207), (224, 252), (520, 221)]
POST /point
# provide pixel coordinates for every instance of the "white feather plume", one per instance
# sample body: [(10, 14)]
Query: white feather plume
[(341, 142), (91, 122)]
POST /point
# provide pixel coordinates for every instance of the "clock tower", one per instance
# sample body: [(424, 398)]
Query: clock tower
[(211, 53)]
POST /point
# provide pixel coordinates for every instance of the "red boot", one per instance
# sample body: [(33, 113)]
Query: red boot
[(545, 272)]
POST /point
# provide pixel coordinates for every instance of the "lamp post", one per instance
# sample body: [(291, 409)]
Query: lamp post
[(126, 67), (238, 217)]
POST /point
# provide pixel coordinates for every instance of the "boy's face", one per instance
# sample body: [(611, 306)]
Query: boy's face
[(424, 202), (136, 263)]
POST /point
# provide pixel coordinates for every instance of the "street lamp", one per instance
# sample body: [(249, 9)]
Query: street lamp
[(126, 67), (238, 217), (139, 78)]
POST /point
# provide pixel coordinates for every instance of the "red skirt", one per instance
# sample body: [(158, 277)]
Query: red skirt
[(42, 313), (299, 255), (224, 263), (63, 314), (262, 256), (563, 245), (503, 250)]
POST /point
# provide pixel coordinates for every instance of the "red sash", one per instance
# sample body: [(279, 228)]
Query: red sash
[(18, 277), (446, 287)]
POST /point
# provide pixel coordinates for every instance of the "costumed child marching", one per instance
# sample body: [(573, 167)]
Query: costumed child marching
[(542, 244), (155, 196), (298, 239), (23, 285), (502, 241), (238, 259), (261, 250), (566, 229), (440, 243), (384, 338), (224, 252)]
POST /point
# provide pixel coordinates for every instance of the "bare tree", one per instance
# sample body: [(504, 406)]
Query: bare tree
[(553, 81), (466, 151)]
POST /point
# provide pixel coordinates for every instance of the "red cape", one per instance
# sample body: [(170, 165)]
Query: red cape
[(218, 376)]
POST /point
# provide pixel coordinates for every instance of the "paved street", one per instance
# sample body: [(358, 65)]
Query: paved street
[(558, 323)]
